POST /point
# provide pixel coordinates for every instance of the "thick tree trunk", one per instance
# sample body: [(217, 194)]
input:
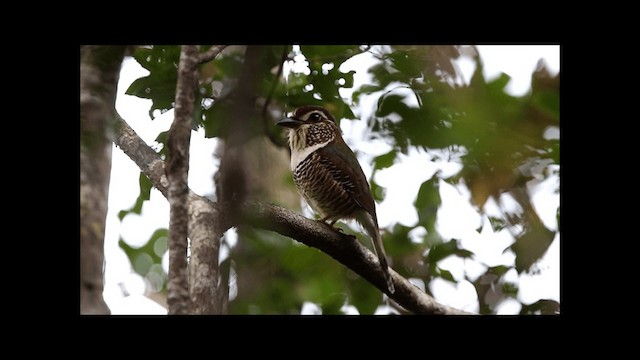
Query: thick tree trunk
[(99, 72)]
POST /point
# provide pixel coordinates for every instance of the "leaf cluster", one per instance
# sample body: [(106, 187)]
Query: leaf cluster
[(499, 139)]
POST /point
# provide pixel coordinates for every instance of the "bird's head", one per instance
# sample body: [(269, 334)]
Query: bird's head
[(310, 126)]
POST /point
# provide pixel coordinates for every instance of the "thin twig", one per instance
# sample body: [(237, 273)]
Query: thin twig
[(210, 54), (276, 140)]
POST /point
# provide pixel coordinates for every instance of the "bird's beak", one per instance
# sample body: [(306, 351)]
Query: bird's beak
[(290, 123)]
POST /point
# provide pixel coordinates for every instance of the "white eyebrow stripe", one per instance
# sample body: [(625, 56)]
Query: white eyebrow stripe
[(306, 116)]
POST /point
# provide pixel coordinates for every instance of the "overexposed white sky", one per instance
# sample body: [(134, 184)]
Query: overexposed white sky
[(456, 218)]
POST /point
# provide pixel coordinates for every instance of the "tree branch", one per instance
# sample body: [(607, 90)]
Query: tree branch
[(312, 233), (206, 222), (177, 173), (210, 54), (276, 140), (153, 167), (344, 248)]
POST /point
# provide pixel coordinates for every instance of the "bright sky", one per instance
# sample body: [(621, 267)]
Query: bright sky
[(124, 290)]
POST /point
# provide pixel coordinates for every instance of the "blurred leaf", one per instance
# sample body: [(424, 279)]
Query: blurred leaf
[(427, 203), (441, 251), (406, 64), (321, 85), (541, 307), (215, 119), (497, 224), (364, 296), (498, 84), (147, 259), (553, 151), (160, 85), (162, 139), (541, 79), (548, 102), (377, 191), (445, 274), (365, 89), (348, 79), (385, 160), (498, 270), (396, 241), (332, 304), (227, 66), (426, 125), (531, 246), (328, 53), (145, 192), (510, 289), (392, 103), (275, 275), (488, 289)]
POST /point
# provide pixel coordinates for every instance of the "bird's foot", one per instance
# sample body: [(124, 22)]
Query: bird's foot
[(330, 224)]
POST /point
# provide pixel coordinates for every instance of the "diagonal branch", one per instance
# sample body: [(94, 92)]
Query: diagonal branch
[(312, 233), (210, 54), (347, 250)]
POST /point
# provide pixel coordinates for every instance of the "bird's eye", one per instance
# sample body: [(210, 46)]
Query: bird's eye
[(314, 117)]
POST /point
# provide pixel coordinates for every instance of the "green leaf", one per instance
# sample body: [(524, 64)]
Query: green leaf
[(489, 290), (385, 160), (440, 251), (377, 191), (405, 63), (328, 53), (228, 66), (145, 193), (397, 241), (497, 224), (548, 102), (348, 79), (365, 89), (498, 84), (160, 85), (162, 140), (498, 270), (553, 151), (541, 307), (445, 274), (332, 304), (215, 119), (364, 296), (531, 246), (147, 259), (510, 289), (427, 203)]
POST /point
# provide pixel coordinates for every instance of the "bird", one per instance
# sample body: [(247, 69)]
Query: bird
[(329, 177)]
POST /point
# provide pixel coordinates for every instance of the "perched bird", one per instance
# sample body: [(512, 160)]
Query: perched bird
[(329, 176)]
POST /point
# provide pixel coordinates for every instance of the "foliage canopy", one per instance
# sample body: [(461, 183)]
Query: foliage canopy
[(501, 142)]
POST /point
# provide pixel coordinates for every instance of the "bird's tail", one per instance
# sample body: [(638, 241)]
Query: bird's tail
[(371, 227)]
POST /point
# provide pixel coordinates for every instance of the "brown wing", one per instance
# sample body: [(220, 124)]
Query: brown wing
[(347, 171)]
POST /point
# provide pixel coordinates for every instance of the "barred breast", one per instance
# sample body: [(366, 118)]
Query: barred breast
[(325, 187)]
